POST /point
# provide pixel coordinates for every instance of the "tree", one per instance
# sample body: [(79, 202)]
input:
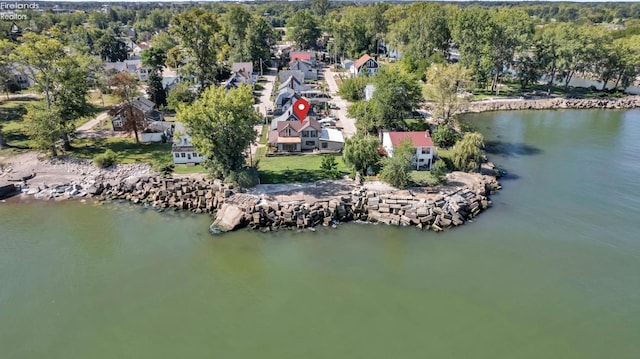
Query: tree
[(302, 28), (181, 94), (69, 92), (444, 85), (155, 90), (221, 125), (421, 32), (125, 88), (467, 152), (395, 96), (396, 170), (154, 58), (110, 48), (365, 113), (439, 171), (444, 136), (37, 57), (329, 166), (258, 41), (43, 127), (197, 30), (320, 7), (361, 153), (352, 89), (6, 48)]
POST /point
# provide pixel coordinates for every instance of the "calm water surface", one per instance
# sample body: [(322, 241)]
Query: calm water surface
[(551, 271)]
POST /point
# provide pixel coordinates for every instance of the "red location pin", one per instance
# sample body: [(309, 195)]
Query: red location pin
[(301, 108)]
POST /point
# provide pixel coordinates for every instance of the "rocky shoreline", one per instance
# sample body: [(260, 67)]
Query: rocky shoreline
[(234, 208), (547, 103)]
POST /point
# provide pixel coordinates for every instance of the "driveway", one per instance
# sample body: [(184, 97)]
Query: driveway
[(348, 124), (264, 103)]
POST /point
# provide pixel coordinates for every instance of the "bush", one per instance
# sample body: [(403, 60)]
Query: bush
[(439, 171), (105, 159), (245, 178), (444, 136), (165, 166), (330, 167)]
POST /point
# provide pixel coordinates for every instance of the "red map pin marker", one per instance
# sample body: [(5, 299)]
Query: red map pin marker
[(301, 108)]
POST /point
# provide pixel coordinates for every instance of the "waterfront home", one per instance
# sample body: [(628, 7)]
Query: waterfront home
[(421, 141), (296, 136), (157, 131), (182, 150), (145, 108), (304, 66), (364, 65)]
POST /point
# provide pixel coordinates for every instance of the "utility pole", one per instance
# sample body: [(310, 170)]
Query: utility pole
[(261, 66)]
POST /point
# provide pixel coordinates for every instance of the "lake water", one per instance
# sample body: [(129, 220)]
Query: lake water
[(551, 271)]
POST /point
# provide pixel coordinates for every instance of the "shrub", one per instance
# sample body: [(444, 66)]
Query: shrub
[(165, 166), (105, 159), (329, 166), (439, 171), (444, 136), (245, 178)]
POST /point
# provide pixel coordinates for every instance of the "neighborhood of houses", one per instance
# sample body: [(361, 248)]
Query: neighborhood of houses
[(302, 77)]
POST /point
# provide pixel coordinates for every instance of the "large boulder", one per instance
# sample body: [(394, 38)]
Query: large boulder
[(228, 218)]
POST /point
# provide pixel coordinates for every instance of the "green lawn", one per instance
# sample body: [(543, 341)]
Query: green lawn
[(297, 168), (11, 120), (264, 135), (422, 178), (127, 151), (184, 169)]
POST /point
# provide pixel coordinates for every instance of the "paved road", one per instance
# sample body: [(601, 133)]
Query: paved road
[(264, 103), (92, 123), (348, 124)]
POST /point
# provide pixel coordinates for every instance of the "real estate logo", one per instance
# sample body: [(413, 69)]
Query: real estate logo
[(8, 10)]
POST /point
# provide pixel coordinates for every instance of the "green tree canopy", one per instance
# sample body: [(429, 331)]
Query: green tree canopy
[(467, 152), (303, 29), (444, 85), (395, 96), (396, 170), (221, 125), (361, 153)]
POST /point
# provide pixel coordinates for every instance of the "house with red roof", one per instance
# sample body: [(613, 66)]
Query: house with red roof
[(309, 56), (421, 141), (365, 64)]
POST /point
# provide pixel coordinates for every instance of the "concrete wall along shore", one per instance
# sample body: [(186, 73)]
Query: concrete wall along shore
[(554, 103), (234, 209)]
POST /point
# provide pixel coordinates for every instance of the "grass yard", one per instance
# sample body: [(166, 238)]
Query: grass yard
[(264, 135), (296, 168), (423, 178), (11, 120), (182, 169), (126, 149)]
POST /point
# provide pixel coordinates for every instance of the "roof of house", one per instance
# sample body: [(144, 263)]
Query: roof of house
[(297, 74), (331, 135), (300, 61), (299, 126), (245, 67), (302, 55), (418, 138), (362, 60)]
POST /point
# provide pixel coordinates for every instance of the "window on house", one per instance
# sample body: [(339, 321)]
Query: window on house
[(177, 155), (325, 145), (305, 133), (184, 141), (426, 150), (310, 143), (183, 155), (287, 132)]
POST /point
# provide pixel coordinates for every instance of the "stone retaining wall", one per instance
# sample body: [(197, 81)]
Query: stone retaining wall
[(554, 103), (234, 209)]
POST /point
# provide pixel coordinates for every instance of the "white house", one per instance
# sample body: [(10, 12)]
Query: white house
[(421, 141), (133, 67), (183, 151), (365, 62)]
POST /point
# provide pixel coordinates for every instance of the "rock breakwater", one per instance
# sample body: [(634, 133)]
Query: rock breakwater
[(234, 209), (553, 103)]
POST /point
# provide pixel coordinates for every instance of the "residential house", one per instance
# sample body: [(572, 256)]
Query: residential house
[(284, 99), (235, 80), (309, 71), (309, 56), (133, 67), (19, 76), (284, 75), (365, 62), (293, 83), (246, 69), (183, 151), (157, 131), (146, 109), (421, 141), (296, 136)]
